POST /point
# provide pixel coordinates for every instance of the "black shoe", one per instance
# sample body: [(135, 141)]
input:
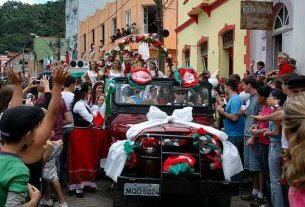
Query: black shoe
[(248, 197), (258, 202)]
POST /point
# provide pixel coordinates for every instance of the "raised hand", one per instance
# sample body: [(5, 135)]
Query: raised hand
[(15, 78), (59, 73)]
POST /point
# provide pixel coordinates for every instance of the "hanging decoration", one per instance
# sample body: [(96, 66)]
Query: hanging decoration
[(123, 48), (139, 78), (186, 77)]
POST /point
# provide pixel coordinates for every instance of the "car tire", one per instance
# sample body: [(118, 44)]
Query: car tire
[(118, 199), (217, 201), (221, 201)]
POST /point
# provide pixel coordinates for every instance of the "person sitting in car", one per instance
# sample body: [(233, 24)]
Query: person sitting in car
[(130, 96), (180, 96), (196, 99)]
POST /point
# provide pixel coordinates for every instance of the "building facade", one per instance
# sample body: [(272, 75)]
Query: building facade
[(117, 15), (78, 10), (46, 51), (287, 35), (209, 36)]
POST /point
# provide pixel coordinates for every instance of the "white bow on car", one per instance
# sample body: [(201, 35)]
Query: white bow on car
[(182, 116)]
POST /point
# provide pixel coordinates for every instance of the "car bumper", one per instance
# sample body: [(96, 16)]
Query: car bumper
[(180, 185)]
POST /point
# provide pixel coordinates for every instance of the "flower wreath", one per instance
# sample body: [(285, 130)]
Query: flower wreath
[(186, 77), (122, 46), (139, 77)]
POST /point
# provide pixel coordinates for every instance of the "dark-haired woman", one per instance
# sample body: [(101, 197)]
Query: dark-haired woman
[(82, 113)]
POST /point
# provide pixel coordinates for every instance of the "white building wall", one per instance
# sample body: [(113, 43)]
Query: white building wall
[(298, 35), (76, 11), (258, 45), (262, 42)]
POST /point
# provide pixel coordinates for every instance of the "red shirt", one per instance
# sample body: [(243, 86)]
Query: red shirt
[(285, 68), (265, 110)]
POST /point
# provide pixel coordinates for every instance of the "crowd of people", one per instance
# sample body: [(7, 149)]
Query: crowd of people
[(263, 115), (130, 29)]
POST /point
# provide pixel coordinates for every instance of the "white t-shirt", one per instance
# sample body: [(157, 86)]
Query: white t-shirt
[(68, 98), (82, 108)]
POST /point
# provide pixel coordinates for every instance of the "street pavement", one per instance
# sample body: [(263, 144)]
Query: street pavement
[(102, 197)]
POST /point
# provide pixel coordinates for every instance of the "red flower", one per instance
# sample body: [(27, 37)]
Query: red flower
[(201, 131)]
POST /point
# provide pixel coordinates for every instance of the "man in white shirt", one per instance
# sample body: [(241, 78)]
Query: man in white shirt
[(68, 96)]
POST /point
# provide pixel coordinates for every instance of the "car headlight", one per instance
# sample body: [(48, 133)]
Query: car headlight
[(204, 148), (149, 145)]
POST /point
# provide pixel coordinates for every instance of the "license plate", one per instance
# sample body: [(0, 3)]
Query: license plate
[(141, 189)]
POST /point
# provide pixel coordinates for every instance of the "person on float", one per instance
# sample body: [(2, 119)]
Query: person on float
[(154, 71), (115, 71), (180, 97), (131, 96), (166, 95), (93, 74)]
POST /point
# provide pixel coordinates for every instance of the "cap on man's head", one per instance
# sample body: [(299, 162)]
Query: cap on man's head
[(296, 82), (152, 88), (17, 121)]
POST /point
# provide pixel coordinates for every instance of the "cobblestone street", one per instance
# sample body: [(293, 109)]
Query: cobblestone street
[(103, 197)]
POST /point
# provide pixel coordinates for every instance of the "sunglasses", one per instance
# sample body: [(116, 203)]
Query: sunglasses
[(180, 93)]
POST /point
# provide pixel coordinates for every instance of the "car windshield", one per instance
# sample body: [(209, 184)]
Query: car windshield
[(163, 94)]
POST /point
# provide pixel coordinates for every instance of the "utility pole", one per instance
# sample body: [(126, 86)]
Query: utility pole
[(23, 65), (159, 21), (58, 47)]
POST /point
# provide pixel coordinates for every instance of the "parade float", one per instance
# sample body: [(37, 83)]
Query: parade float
[(161, 148)]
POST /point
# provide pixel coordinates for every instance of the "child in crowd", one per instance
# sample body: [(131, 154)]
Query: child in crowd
[(14, 175), (49, 174), (257, 131)]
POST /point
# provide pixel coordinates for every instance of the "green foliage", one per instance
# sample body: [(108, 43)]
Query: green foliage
[(18, 20)]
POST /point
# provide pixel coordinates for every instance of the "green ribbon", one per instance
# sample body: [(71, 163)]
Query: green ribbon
[(129, 148), (109, 91), (180, 167)]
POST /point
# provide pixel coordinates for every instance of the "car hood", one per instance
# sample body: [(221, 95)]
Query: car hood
[(123, 122)]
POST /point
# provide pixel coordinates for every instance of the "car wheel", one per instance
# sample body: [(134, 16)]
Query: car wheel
[(217, 201), (118, 199), (221, 201)]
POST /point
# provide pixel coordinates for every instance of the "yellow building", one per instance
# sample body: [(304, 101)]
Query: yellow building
[(209, 36)]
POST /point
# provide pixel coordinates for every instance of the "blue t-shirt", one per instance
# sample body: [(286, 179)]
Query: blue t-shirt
[(260, 72), (274, 138), (234, 128)]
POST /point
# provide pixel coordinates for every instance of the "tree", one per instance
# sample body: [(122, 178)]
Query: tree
[(18, 20)]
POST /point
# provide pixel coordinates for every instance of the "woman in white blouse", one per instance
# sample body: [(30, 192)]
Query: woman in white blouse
[(82, 113), (92, 74)]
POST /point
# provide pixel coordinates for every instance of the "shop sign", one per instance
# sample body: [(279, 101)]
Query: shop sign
[(256, 15)]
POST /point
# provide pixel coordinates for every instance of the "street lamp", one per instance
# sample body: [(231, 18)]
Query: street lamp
[(35, 54)]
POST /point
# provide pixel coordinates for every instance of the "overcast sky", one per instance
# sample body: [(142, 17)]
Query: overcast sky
[(28, 1)]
